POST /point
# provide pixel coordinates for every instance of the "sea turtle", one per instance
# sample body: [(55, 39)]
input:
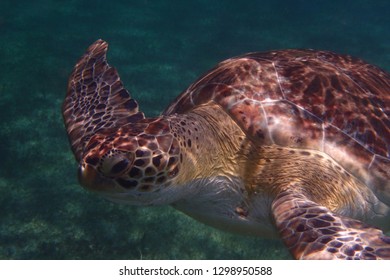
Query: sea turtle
[(293, 143)]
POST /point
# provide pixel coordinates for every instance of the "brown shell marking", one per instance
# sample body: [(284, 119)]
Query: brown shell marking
[(96, 99), (303, 98)]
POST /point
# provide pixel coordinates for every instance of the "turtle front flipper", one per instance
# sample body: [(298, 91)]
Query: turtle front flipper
[(311, 231), (96, 99)]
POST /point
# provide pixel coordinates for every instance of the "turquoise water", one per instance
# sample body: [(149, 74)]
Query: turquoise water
[(159, 48)]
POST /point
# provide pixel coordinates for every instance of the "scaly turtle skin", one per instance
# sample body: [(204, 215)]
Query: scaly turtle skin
[(294, 142)]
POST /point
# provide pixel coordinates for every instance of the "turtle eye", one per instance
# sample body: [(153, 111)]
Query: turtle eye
[(116, 163)]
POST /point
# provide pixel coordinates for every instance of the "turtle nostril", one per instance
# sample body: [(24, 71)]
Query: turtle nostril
[(92, 160)]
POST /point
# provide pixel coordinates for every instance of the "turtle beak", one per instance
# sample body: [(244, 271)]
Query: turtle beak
[(87, 176), (92, 180)]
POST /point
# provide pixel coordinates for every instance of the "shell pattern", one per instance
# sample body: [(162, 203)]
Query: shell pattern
[(310, 99)]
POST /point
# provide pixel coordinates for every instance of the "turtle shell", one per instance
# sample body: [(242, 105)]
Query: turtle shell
[(306, 99)]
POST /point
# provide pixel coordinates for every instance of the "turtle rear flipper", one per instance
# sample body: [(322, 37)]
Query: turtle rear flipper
[(311, 231), (96, 99)]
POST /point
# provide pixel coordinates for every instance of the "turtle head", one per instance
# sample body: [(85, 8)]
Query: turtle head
[(135, 164), (121, 154)]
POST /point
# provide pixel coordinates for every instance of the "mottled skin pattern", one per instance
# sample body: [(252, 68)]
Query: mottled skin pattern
[(311, 231), (87, 112), (293, 141), (142, 161)]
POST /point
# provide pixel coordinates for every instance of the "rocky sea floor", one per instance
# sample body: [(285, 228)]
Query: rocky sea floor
[(159, 48)]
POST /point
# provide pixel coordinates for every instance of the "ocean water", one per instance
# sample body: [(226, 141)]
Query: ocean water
[(159, 48)]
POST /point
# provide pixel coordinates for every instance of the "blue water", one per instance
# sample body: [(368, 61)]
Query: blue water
[(159, 48)]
